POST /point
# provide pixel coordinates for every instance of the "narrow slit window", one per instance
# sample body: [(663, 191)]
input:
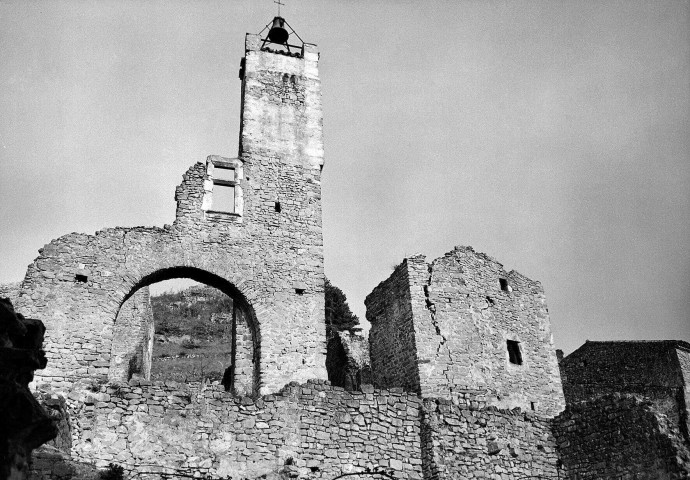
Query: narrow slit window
[(514, 354), (223, 198), (277, 207)]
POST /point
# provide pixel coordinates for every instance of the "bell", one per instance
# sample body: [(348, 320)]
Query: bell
[(277, 33)]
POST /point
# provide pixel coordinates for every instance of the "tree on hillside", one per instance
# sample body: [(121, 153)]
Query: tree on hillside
[(339, 317)]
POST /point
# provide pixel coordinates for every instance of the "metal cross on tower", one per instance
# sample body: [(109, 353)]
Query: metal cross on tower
[(279, 4)]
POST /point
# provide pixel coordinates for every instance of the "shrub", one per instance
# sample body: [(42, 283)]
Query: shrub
[(189, 344), (113, 472)]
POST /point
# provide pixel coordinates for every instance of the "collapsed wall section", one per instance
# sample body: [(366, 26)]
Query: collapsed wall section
[(347, 361), (392, 336), (619, 436)]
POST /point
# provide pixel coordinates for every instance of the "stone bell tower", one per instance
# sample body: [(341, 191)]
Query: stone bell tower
[(281, 105), (281, 152)]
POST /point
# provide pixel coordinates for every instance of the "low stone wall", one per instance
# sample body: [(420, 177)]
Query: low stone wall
[(478, 441), (309, 431), (313, 430), (619, 436)]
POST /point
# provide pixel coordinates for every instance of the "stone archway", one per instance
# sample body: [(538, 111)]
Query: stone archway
[(79, 283), (132, 333)]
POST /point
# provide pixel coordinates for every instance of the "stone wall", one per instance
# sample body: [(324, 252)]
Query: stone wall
[(267, 253), (447, 326), (316, 430), (656, 370), (309, 431), (24, 424), (132, 339), (469, 440), (684, 362), (245, 354), (619, 436), (10, 291), (392, 336)]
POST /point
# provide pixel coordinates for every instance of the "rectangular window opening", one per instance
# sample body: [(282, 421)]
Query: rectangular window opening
[(514, 354), (79, 278), (277, 207), (223, 198), (299, 291), (504, 285), (224, 173), (534, 406)]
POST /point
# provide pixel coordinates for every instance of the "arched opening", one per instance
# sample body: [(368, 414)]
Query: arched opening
[(203, 333)]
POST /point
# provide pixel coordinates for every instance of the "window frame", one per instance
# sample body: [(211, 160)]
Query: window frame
[(215, 162)]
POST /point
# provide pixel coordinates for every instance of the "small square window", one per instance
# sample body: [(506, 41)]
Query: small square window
[(514, 353), (223, 198)]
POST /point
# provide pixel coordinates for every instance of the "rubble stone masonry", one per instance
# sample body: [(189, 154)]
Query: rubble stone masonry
[(192, 429), (448, 326), (656, 370), (132, 338), (468, 440), (466, 379), (265, 249), (309, 431), (619, 436)]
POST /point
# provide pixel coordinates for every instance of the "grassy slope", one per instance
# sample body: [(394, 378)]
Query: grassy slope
[(189, 346)]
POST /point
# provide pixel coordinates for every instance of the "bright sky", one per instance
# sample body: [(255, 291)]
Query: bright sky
[(551, 135)]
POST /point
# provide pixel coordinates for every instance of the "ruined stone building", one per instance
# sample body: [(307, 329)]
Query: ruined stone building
[(463, 323), (656, 370), (465, 381)]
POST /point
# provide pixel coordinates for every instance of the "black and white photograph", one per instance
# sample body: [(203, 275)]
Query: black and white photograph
[(314, 240)]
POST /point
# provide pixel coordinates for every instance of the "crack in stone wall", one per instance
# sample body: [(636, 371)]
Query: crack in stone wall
[(460, 319), (431, 306)]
